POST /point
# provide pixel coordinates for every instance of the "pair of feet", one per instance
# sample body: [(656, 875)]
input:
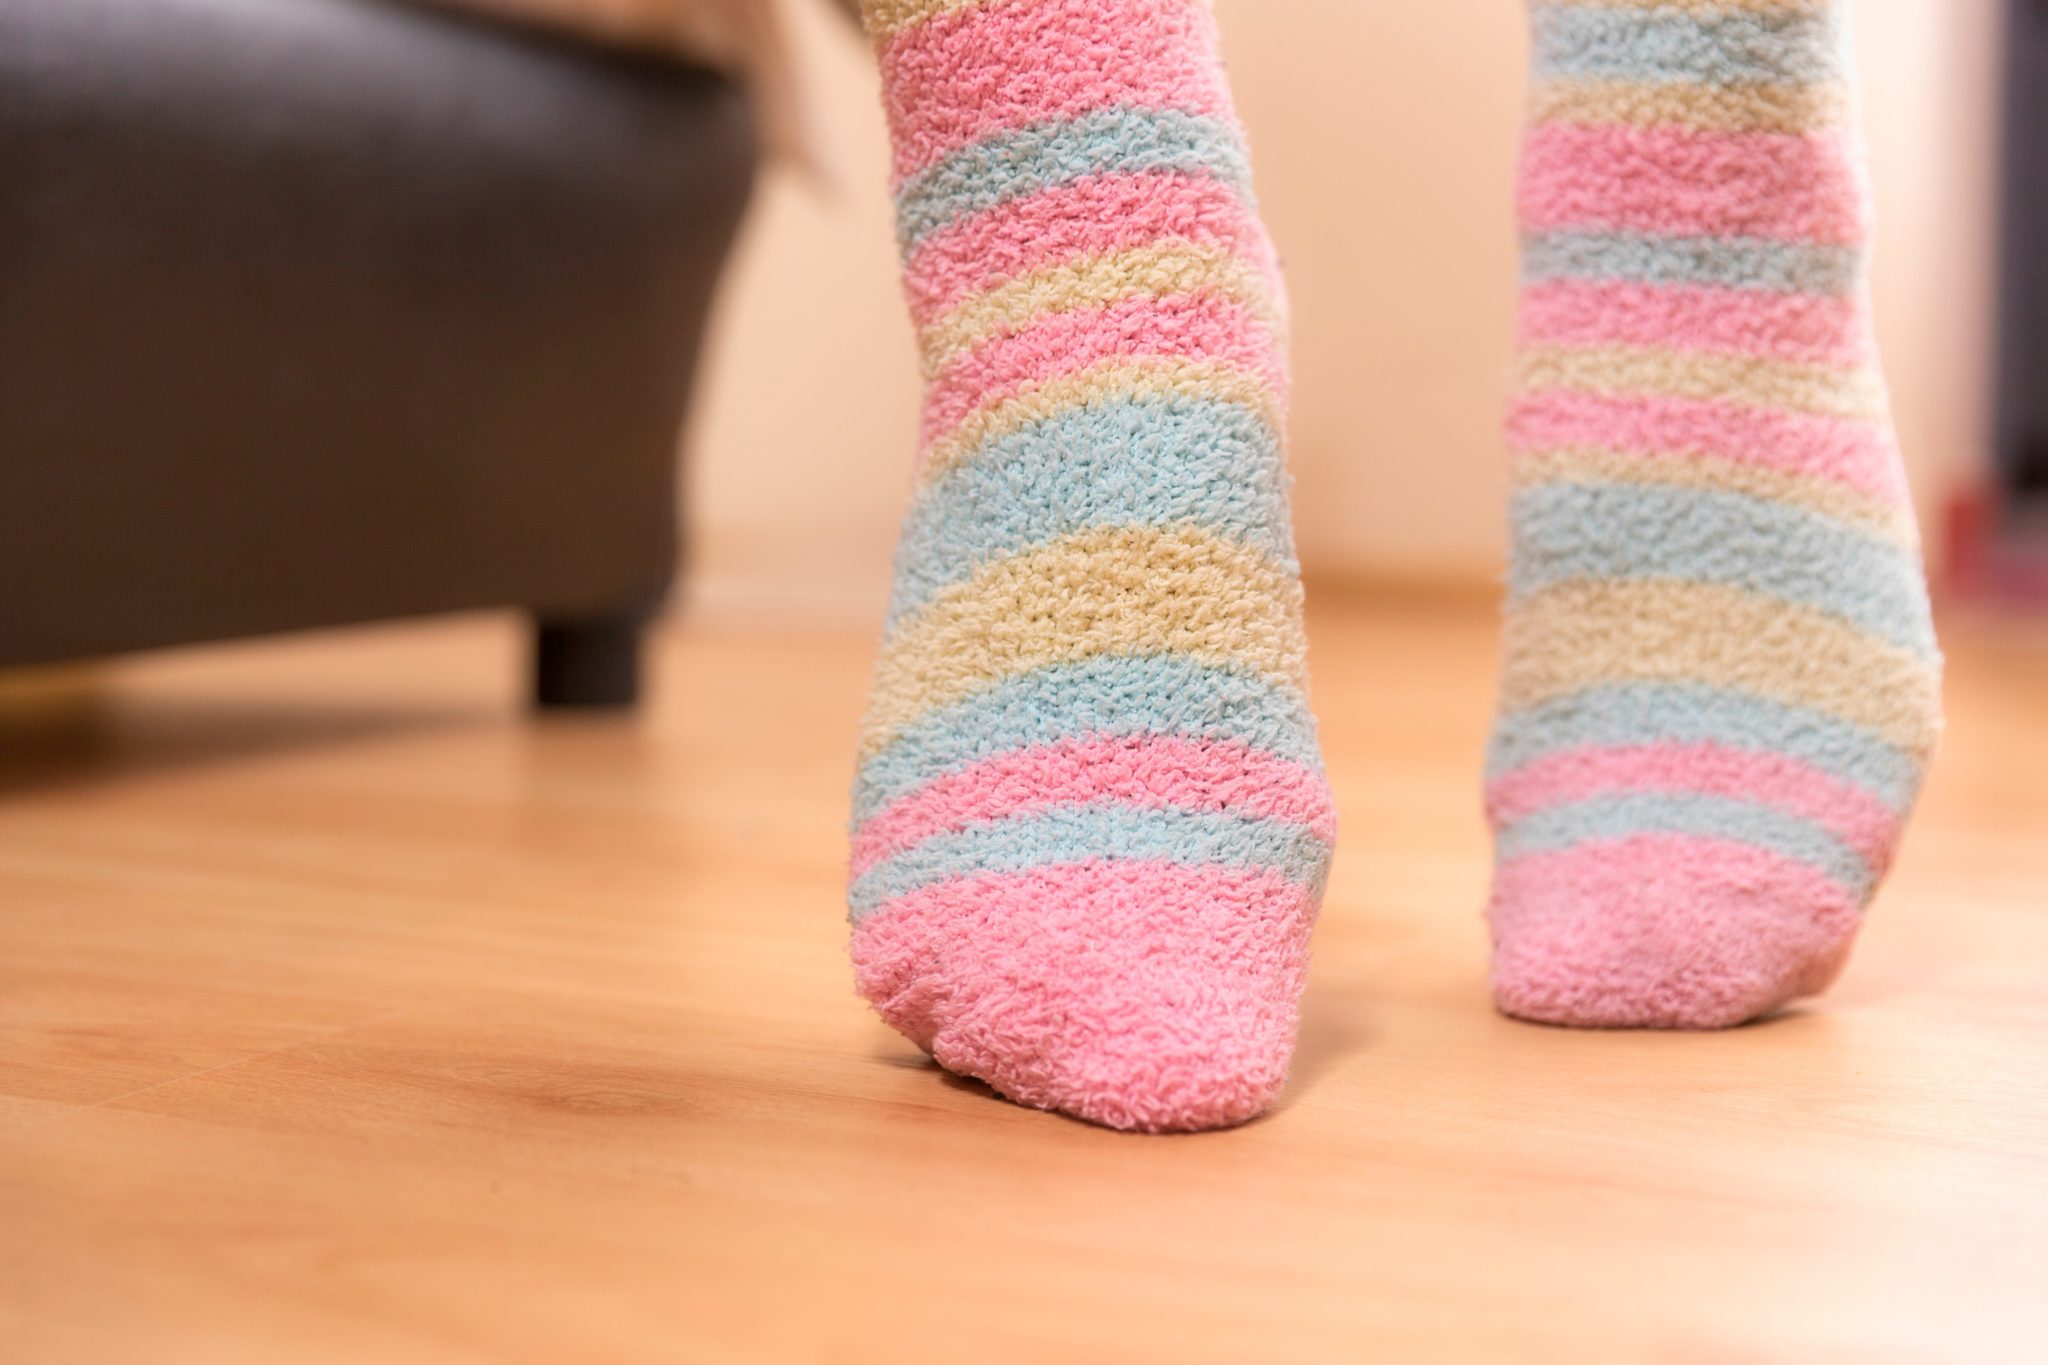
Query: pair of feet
[(1090, 826)]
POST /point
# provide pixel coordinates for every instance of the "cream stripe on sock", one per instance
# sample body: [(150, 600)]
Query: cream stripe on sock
[(1169, 268), (1757, 108), (1580, 635), (1754, 381), (1119, 589)]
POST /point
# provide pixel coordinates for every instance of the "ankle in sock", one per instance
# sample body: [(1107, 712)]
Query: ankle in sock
[(1090, 826), (1721, 682)]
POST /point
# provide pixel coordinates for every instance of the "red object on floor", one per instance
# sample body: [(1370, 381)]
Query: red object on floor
[(1989, 557)]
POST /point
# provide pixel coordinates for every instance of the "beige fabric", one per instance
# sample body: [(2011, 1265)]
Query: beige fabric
[(746, 37)]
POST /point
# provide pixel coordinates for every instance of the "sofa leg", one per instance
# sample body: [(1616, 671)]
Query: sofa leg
[(592, 662)]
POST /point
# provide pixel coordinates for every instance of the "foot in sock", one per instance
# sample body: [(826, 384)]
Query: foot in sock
[(1090, 827), (1721, 683)]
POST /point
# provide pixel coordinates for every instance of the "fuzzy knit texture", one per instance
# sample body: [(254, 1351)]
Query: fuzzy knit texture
[(1721, 682), (1090, 827)]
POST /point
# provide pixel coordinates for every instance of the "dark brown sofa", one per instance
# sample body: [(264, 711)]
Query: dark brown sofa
[(326, 311)]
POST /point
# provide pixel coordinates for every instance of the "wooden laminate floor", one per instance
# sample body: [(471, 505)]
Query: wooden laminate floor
[(348, 1014)]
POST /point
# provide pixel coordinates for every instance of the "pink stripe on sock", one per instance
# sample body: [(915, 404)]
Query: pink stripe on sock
[(1851, 814), (1193, 326), (1094, 216), (1670, 180), (1859, 454), (983, 69), (1760, 322), (1152, 771)]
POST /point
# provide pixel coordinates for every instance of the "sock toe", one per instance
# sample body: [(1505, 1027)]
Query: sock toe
[(1661, 932), (1139, 995)]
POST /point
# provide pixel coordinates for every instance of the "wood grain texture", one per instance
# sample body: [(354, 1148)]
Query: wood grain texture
[(348, 1014)]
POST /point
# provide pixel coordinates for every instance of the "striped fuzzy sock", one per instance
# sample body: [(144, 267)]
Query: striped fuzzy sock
[(1090, 826), (1721, 681)]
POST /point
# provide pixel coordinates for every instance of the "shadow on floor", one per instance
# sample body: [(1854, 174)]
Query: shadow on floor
[(1333, 1026), (65, 736)]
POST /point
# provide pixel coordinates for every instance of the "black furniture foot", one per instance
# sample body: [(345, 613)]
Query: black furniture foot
[(586, 663)]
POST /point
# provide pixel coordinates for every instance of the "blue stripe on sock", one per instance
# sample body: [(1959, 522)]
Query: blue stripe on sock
[(1071, 834), (1154, 461), (1158, 694), (1011, 165), (1564, 532), (1662, 45), (1694, 813), (1731, 262), (1691, 713)]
